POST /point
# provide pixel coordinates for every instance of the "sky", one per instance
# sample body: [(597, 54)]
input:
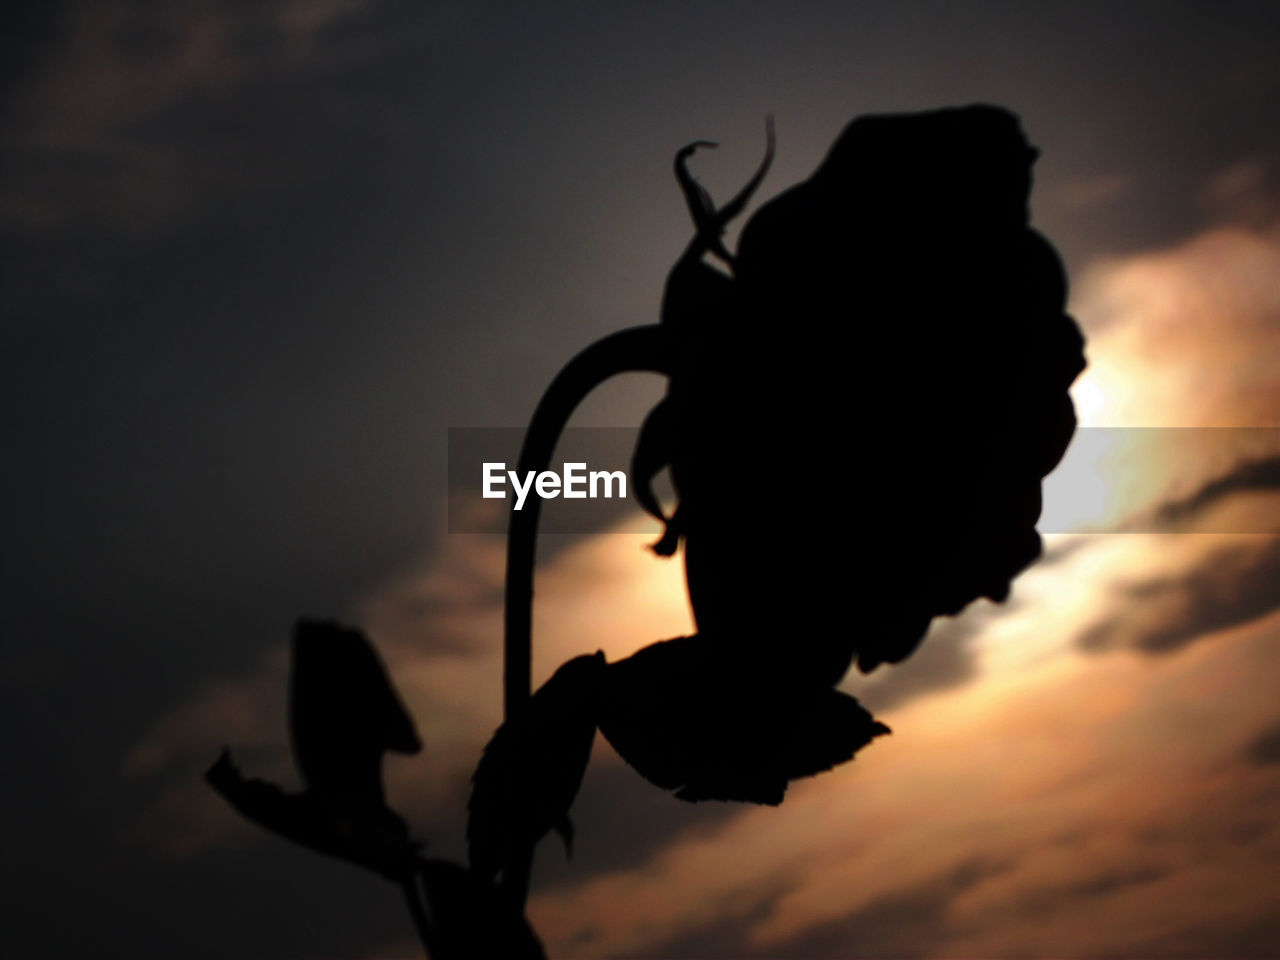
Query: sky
[(260, 257)]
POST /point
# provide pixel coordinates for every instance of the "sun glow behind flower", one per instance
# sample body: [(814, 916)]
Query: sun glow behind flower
[(1093, 746), (263, 259)]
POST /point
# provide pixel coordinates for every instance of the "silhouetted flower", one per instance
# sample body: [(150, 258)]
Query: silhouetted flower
[(858, 419), (861, 437)]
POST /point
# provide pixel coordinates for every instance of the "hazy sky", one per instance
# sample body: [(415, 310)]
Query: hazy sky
[(260, 256)]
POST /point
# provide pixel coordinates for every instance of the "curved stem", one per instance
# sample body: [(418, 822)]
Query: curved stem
[(637, 349)]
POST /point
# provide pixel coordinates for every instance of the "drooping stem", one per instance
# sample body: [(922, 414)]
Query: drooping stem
[(637, 349)]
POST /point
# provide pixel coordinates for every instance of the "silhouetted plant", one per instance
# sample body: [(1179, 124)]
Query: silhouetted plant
[(688, 723), (896, 305), (344, 715), (531, 769)]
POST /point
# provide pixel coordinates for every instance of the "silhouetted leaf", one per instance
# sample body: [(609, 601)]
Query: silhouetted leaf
[(687, 721), (344, 715), (532, 767), (370, 836), (343, 712), (470, 918)]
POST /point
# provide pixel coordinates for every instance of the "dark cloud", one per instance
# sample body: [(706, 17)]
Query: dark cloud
[(1264, 749), (623, 822), (1254, 939), (30, 31), (82, 148), (903, 925), (1107, 883), (908, 924), (725, 939), (1257, 475), (1231, 586), (946, 659), (267, 898)]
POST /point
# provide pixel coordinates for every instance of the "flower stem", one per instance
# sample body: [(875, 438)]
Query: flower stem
[(636, 349)]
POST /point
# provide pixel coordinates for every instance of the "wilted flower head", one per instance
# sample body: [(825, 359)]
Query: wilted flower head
[(861, 439)]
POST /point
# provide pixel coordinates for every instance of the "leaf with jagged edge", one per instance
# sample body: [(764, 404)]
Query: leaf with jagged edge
[(369, 836), (687, 722), (344, 714), (532, 767)]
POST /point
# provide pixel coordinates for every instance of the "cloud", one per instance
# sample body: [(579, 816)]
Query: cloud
[(1230, 586), (1184, 336), (437, 633), (1261, 474), (945, 659), (1081, 807), (904, 924), (1244, 192), (1179, 342), (119, 63), (1264, 748), (622, 822), (1204, 584), (1090, 193), (142, 117), (957, 825), (439, 630)]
